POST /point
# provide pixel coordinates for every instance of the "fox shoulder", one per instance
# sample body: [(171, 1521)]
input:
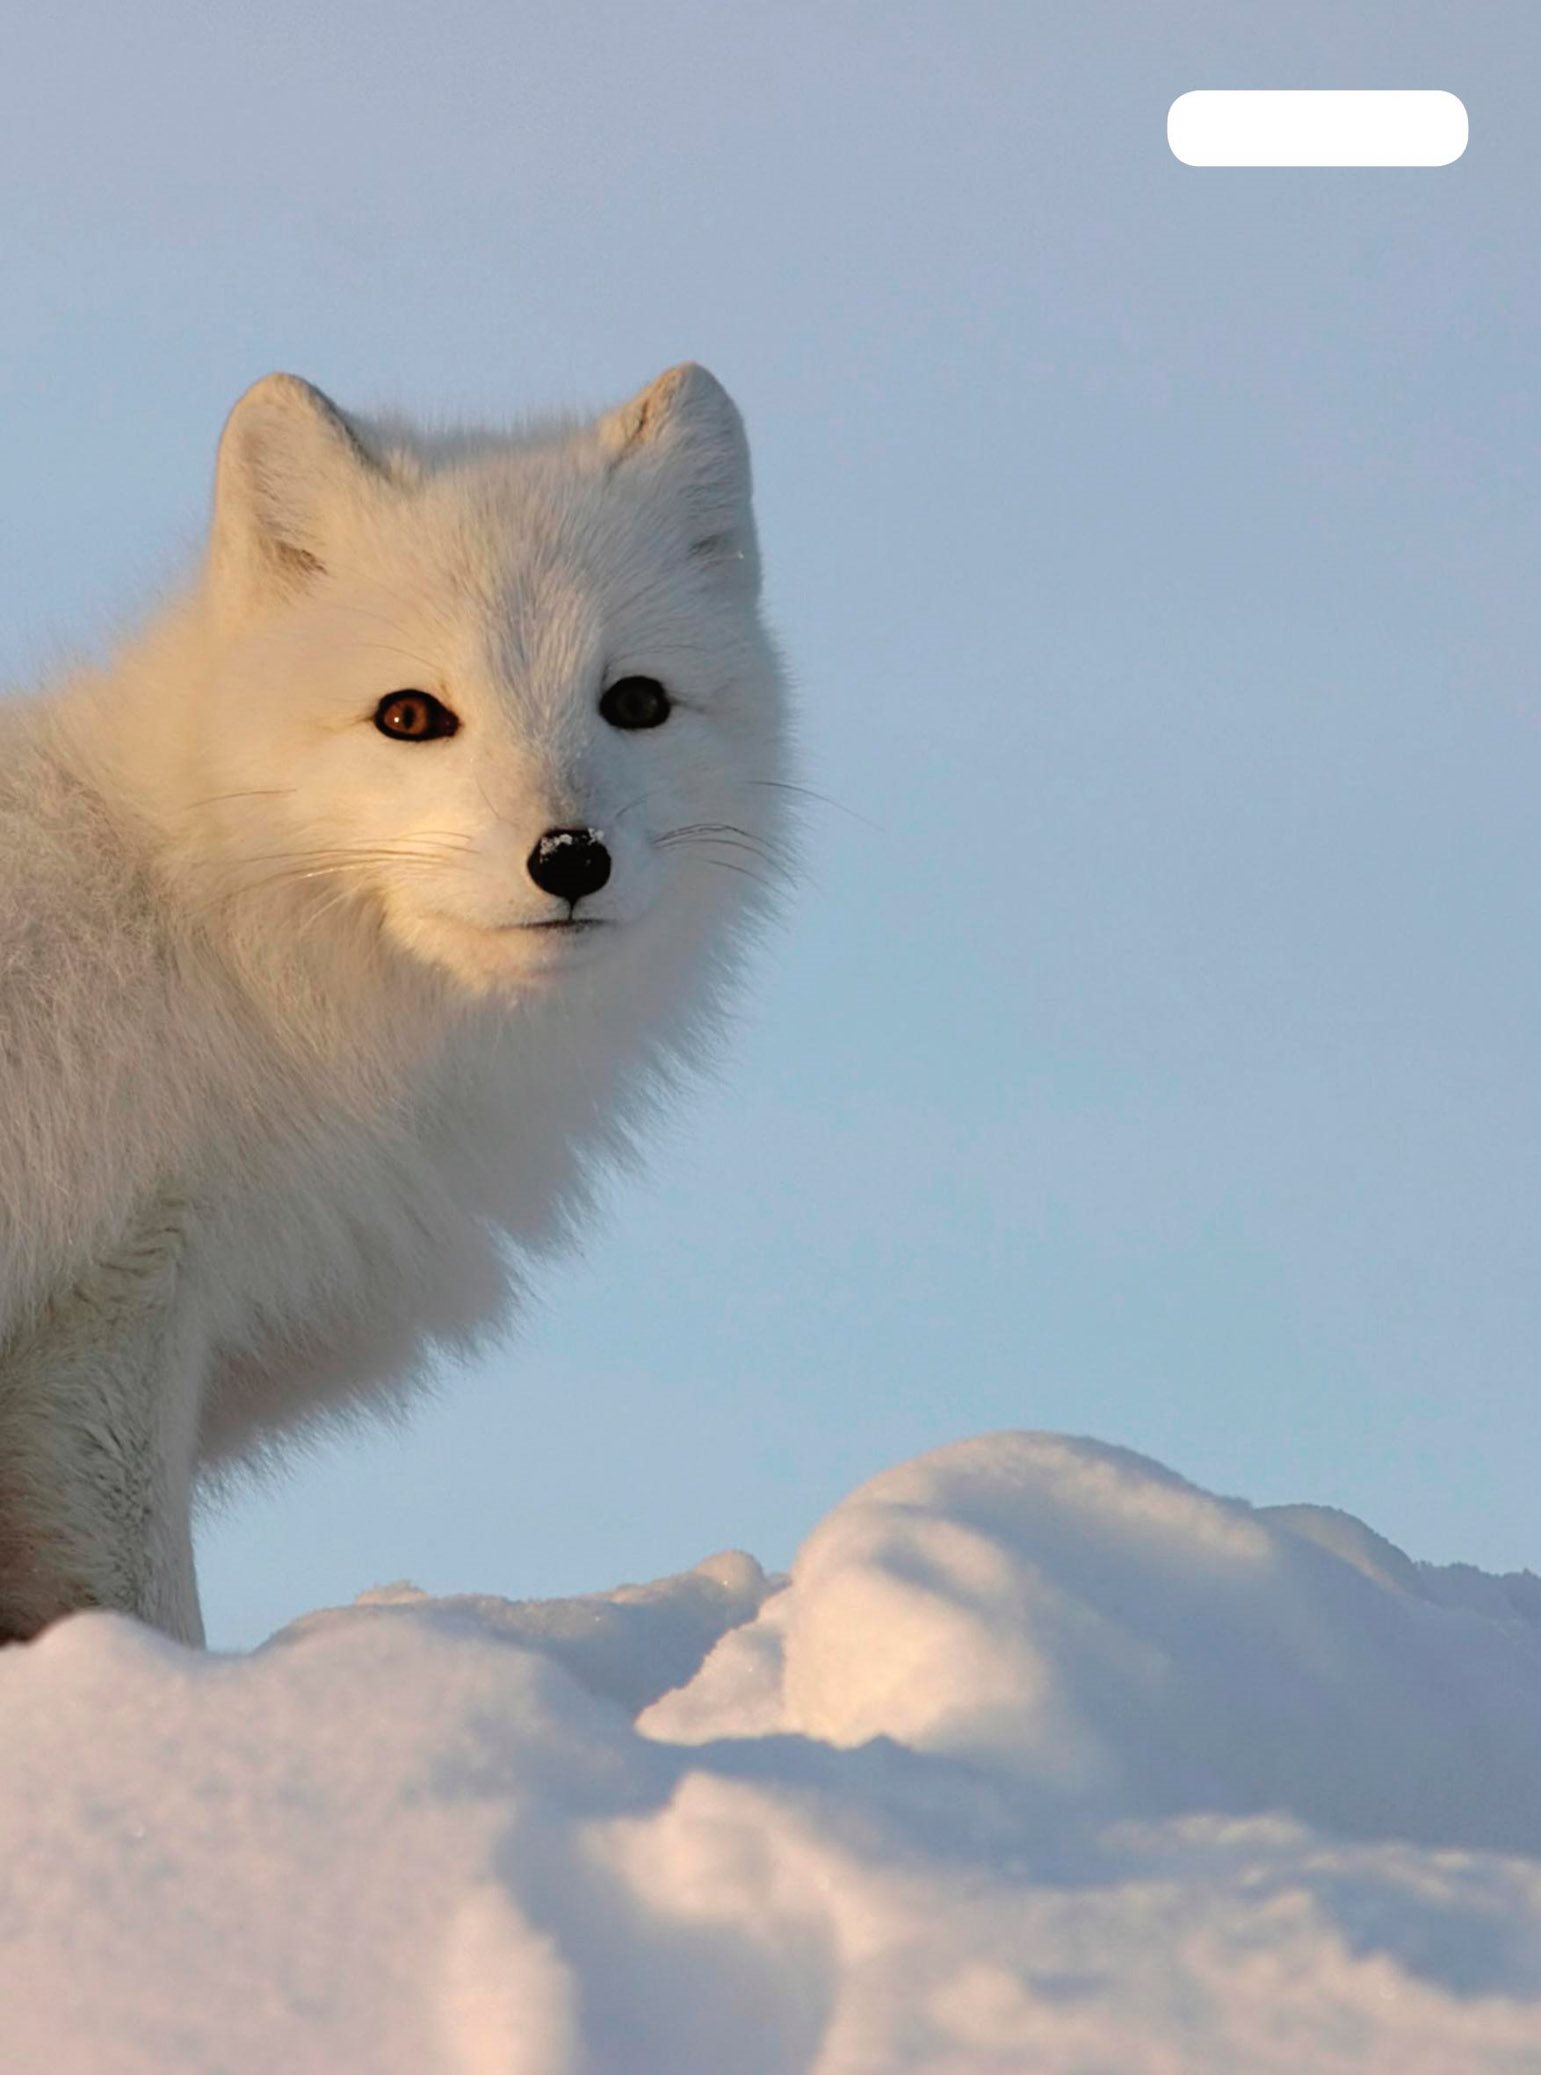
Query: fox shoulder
[(87, 1081)]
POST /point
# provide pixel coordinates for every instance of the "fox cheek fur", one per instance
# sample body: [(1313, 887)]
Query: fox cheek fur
[(352, 919)]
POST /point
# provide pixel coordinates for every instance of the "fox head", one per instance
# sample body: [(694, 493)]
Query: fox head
[(506, 699)]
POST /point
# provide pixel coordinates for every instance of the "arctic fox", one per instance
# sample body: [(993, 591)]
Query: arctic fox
[(350, 921)]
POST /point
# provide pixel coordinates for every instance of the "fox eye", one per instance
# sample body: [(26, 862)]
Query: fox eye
[(414, 717), (635, 702)]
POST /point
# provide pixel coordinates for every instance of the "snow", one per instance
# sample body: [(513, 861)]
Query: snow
[(1043, 1759)]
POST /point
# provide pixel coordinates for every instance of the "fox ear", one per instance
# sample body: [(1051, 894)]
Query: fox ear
[(686, 428), (290, 467)]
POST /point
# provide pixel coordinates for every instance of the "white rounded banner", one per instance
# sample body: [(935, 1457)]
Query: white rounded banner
[(1310, 127)]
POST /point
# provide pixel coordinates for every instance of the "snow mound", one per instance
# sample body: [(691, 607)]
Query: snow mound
[(1083, 1623), (1042, 1759)]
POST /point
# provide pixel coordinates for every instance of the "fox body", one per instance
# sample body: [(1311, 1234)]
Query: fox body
[(351, 920)]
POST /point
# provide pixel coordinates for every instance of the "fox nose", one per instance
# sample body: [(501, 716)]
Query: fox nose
[(569, 863)]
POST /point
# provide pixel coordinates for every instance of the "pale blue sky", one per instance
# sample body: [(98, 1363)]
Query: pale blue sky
[(1156, 550)]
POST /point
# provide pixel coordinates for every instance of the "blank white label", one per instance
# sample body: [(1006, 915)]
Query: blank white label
[(1334, 127)]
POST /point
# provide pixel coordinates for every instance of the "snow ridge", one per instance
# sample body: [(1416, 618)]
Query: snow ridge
[(1042, 1758)]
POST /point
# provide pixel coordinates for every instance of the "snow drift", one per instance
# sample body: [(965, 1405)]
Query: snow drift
[(1042, 1759)]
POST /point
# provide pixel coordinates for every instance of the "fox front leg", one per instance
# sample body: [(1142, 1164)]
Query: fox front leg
[(98, 1421)]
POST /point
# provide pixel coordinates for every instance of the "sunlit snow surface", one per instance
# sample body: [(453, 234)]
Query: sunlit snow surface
[(1043, 1760)]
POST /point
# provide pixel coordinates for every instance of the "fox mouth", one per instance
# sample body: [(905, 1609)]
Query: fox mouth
[(569, 925)]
